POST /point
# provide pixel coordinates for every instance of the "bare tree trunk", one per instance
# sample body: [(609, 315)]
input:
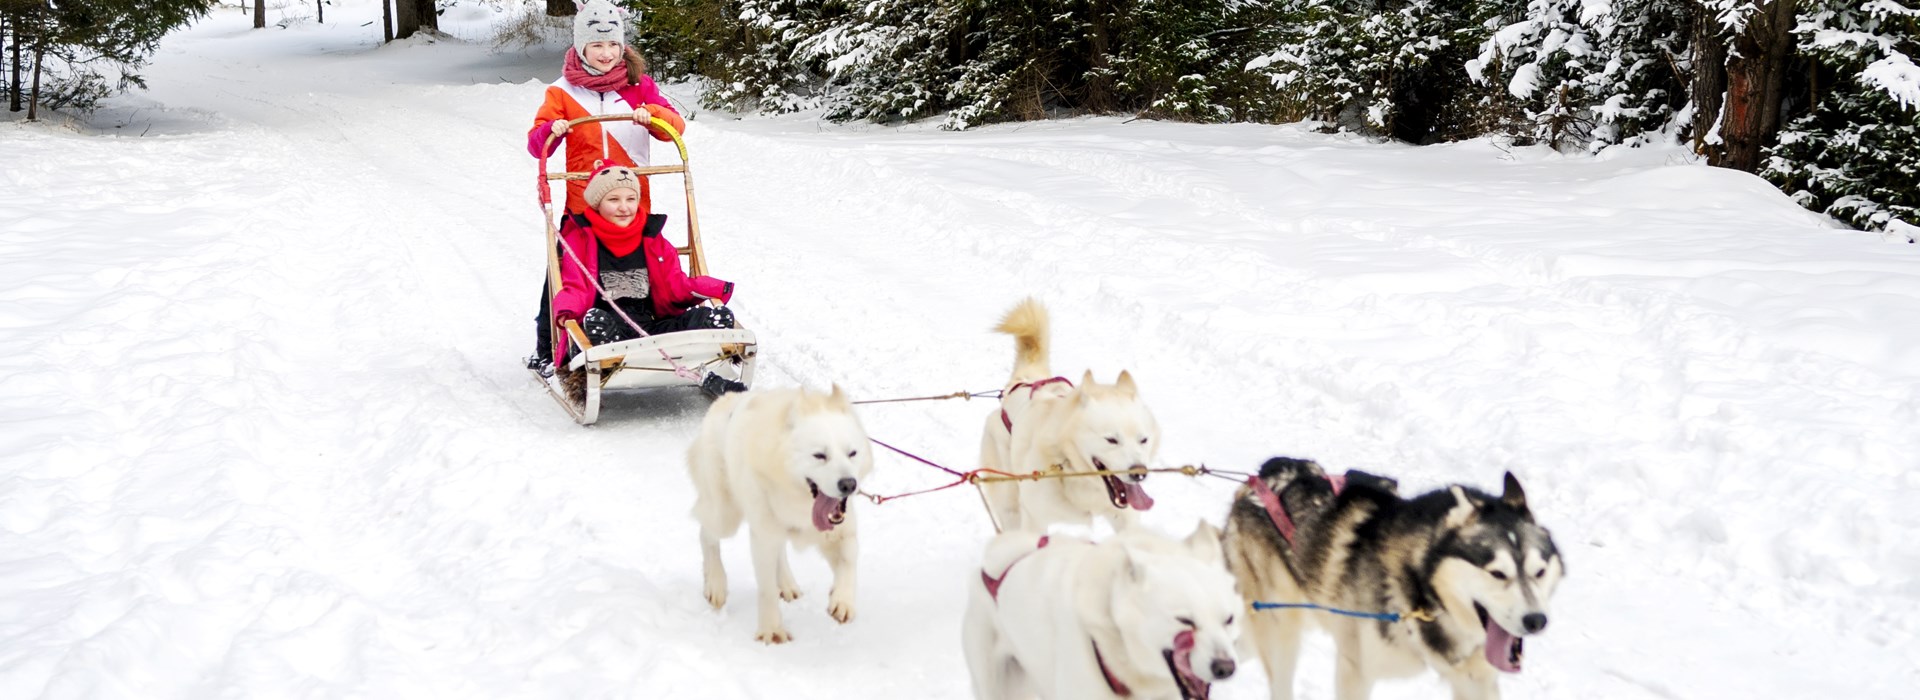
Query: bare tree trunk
[(33, 106), (1709, 79), (410, 16), (259, 14), (561, 8), (13, 86), (386, 21), (1756, 80), (19, 83), (406, 18), (320, 9), (429, 14)]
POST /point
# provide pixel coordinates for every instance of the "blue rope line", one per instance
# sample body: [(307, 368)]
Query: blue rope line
[(1384, 617)]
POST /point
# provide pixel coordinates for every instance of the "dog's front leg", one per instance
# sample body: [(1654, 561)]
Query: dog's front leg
[(715, 570), (789, 589), (841, 549), (768, 549), (1474, 680), (1276, 634), (1350, 678)]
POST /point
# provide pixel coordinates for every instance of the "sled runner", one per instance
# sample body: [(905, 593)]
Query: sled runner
[(678, 359)]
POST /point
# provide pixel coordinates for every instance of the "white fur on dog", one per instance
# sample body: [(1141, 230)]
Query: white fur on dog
[(759, 457), (1130, 596)]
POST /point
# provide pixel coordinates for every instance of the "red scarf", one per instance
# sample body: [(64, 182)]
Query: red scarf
[(610, 81), (619, 240)]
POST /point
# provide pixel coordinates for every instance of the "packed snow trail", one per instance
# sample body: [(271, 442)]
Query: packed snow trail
[(267, 435)]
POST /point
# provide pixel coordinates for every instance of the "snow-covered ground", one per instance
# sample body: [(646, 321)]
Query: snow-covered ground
[(265, 433)]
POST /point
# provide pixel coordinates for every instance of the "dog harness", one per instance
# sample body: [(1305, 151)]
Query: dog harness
[(993, 591), (1113, 684), (1277, 511), (1031, 387), (993, 584)]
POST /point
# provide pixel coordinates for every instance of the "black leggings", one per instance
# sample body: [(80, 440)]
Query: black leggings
[(613, 329), (604, 326)]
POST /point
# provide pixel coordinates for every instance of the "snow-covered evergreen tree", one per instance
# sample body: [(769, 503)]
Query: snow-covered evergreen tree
[(982, 62), (747, 51), (1393, 65), (78, 52), (1856, 155), (1590, 74)]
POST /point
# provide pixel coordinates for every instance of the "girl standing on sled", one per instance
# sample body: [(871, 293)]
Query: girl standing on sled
[(601, 75), (617, 244)]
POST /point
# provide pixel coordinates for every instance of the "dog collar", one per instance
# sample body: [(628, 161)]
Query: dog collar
[(1113, 684), (1030, 387)]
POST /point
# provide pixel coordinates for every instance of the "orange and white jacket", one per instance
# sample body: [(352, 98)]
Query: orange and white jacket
[(612, 141)]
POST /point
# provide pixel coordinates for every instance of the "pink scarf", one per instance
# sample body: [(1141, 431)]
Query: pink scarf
[(576, 72)]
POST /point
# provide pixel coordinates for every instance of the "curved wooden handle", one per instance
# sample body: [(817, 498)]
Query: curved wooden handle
[(652, 121)]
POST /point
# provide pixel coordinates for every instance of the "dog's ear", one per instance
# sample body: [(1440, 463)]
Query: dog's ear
[(1080, 390), (1513, 496), (1464, 508), (1204, 543), (838, 396), (1125, 385), (1134, 570)]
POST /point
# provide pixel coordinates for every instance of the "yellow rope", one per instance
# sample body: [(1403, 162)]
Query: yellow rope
[(1058, 472)]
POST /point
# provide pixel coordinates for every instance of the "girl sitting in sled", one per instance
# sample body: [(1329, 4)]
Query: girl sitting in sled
[(618, 244)]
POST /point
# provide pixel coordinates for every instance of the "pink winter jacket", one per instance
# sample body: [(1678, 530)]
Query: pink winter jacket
[(672, 291)]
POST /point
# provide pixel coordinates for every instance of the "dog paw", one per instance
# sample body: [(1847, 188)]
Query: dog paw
[(778, 636), (717, 597), (789, 593), (841, 610)]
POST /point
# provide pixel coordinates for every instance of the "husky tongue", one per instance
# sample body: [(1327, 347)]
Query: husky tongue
[(1503, 649), (1137, 497), (825, 508)]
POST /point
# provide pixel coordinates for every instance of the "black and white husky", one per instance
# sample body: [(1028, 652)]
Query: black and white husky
[(1470, 573)]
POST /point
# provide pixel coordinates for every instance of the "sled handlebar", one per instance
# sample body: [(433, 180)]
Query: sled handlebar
[(653, 122), (692, 249)]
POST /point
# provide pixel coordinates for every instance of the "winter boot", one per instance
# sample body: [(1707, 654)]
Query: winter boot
[(716, 386)]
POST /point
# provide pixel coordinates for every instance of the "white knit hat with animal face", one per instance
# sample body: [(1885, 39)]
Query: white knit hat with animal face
[(610, 177), (599, 20)]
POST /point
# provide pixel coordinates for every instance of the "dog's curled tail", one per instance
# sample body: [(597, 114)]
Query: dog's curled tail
[(1028, 324)]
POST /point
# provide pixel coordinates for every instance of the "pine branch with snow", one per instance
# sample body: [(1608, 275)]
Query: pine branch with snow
[(1854, 156)]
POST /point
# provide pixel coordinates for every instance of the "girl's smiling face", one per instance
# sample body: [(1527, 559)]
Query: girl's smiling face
[(601, 55), (619, 206)]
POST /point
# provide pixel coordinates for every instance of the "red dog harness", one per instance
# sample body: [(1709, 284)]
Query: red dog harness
[(1031, 387), (993, 584), (1278, 512), (993, 591), (1113, 683)]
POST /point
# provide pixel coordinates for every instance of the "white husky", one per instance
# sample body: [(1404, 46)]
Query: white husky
[(1046, 422), (785, 461), (1137, 616)]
